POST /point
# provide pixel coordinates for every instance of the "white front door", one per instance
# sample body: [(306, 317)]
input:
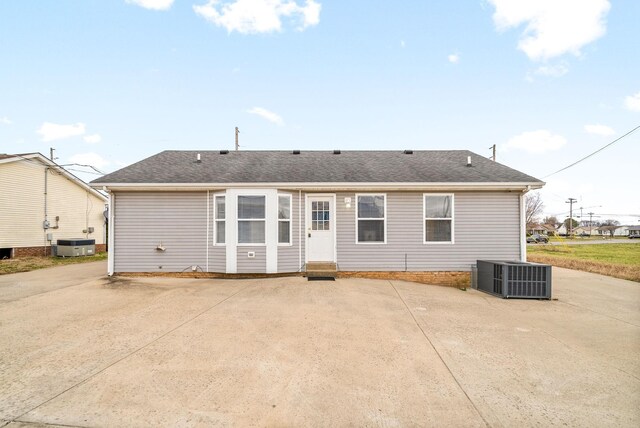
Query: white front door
[(320, 229)]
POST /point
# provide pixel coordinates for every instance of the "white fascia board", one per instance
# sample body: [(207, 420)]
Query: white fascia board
[(318, 186)]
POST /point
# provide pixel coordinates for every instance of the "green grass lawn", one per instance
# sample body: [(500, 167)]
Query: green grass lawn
[(25, 264), (619, 260)]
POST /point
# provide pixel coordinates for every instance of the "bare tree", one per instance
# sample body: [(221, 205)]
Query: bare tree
[(533, 207), (551, 220), (610, 226)]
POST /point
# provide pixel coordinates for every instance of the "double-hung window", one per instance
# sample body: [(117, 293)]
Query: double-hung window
[(438, 218), (251, 219), (284, 219), (371, 217), (219, 220)]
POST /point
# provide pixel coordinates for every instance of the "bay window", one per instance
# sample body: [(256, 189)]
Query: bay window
[(251, 219), (219, 224), (284, 219)]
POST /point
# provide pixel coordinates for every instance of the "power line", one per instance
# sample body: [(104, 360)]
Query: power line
[(597, 151)]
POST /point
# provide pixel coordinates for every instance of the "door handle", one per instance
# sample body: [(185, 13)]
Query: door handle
[(309, 235)]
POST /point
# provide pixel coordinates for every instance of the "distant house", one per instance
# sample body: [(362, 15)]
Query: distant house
[(271, 212), (634, 231), (541, 229), (585, 231), (41, 202), (617, 230)]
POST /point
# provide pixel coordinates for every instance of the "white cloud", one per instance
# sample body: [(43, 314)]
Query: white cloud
[(454, 58), (5, 120), (51, 131), (632, 102), (552, 27), (540, 141), (552, 70), (93, 139), (258, 16), (92, 159), (598, 129), (153, 4), (266, 114)]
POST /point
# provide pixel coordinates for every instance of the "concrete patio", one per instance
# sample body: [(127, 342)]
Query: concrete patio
[(78, 349)]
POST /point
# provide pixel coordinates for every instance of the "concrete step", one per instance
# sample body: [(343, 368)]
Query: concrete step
[(321, 270), (321, 266)]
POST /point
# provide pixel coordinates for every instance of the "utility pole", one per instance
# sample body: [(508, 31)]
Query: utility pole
[(570, 202), (493, 151), (591, 216), (51, 150), (237, 144)]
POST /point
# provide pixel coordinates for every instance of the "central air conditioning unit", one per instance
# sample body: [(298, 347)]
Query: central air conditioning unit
[(75, 247)]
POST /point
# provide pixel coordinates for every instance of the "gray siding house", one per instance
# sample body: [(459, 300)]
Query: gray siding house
[(269, 212)]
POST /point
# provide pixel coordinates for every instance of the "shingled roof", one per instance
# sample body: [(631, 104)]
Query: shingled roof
[(432, 166)]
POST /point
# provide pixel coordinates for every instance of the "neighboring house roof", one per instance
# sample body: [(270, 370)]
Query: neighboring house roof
[(39, 157), (436, 166), (634, 228)]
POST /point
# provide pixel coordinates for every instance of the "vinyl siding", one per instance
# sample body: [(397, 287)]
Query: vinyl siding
[(144, 220), (258, 264), (486, 226), (289, 255), (22, 206)]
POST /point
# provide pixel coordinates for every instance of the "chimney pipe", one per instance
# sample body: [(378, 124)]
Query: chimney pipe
[(198, 158), (468, 160)]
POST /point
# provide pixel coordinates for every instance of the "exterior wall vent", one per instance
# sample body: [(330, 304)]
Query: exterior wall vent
[(336, 152), (296, 152), (408, 152)]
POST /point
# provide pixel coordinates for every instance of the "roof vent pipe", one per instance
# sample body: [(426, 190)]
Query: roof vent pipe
[(296, 152), (408, 152), (468, 160), (336, 152), (198, 158), (224, 152)]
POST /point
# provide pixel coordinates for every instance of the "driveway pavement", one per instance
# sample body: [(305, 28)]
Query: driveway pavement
[(78, 349)]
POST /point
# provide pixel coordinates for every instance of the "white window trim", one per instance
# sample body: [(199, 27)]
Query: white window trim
[(216, 220), (238, 220), (424, 219), (384, 195), (290, 220)]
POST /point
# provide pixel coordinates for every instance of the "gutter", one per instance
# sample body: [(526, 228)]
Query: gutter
[(517, 186)]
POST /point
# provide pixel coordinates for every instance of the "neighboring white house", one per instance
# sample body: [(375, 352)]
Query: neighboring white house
[(41, 202), (271, 212)]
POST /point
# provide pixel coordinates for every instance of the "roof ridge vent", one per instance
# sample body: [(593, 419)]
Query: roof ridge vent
[(224, 152), (296, 152), (408, 152), (336, 152)]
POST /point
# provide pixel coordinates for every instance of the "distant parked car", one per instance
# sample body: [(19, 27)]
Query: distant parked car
[(535, 238), (634, 236)]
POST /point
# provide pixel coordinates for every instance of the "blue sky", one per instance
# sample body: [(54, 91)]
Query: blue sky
[(109, 83)]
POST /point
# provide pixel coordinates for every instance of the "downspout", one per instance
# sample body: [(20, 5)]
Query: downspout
[(523, 226), (207, 237), (111, 225), (45, 225), (299, 229)]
